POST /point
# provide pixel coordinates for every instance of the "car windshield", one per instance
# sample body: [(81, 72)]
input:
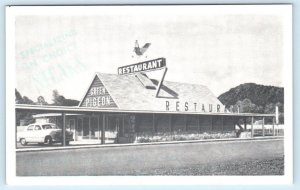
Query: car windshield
[(48, 126)]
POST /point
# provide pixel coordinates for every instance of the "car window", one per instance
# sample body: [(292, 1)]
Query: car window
[(37, 127), (30, 128), (48, 126)]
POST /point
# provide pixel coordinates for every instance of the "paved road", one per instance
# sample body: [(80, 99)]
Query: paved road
[(141, 160)]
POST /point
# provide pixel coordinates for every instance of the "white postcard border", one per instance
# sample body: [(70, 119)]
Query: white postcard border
[(12, 179)]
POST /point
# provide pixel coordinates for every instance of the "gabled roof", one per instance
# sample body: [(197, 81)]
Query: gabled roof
[(129, 93)]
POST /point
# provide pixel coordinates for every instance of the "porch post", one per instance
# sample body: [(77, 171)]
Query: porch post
[(273, 126), (90, 127), (123, 122), (170, 123), (63, 129), (153, 123), (252, 130), (98, 126), (212, 125), (198, 123), (245, 123), (222, 119), (185, 122), (263, 126), (103, 130)]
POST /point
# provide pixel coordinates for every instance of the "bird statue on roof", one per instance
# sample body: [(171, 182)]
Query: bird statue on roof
[(140, 51)]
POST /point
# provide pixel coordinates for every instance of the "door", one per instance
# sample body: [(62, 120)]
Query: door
[(114, 129), (37, 134), (28, 134)]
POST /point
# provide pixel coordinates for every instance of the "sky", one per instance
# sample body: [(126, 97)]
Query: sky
[(214, 48)]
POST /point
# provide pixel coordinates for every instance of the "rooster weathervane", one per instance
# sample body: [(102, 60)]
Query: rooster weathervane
[(140, 51)]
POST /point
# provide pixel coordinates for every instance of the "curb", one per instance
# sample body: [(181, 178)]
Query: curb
[(145, 144)]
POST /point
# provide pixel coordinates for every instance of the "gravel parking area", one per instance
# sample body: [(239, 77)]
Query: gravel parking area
[(273, 166), (259, 157)]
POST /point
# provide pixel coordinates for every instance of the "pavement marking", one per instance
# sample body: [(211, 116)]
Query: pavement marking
[(210, 141)]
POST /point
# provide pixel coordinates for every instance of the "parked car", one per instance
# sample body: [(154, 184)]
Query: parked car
[(46, 133)]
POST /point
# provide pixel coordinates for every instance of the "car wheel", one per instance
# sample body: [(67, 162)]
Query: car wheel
[(23, 142), (48, 140), (67, 142)]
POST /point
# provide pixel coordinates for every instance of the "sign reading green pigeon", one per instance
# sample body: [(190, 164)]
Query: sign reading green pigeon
[(154, 64)]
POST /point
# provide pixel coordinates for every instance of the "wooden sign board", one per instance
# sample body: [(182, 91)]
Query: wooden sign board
[(150, 65), (98, 96)]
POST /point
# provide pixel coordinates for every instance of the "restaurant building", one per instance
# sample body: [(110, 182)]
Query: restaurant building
[(130, 107)]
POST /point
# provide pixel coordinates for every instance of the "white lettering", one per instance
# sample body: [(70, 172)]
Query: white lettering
[(103, 100), (98, 101), (143, 66), (150, 65), (87, 102), (108, 100), (159, 62), (94, 102), (136, 69)]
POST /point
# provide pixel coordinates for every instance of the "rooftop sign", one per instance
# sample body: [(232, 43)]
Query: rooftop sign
[(154, 64)]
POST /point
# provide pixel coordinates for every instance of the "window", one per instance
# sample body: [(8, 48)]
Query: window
[(49, 126), (30, 128), (37, 127)]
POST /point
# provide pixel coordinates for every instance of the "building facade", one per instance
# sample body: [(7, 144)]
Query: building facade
[(129, 109)]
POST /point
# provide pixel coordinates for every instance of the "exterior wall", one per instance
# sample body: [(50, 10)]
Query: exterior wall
[(163, 123), (229, 123), (205, 123), (192, 123), (124, 128), (217, 123), (144, 123), (180, 123)]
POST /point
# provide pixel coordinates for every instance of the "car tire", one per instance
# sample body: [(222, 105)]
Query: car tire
[(48, 140), (23, 141), (67, 143)]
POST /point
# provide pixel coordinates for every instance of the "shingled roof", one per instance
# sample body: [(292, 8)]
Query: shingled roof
[(130, 93)]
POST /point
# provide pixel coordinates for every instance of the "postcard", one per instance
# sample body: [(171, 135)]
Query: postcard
[(149, 95)]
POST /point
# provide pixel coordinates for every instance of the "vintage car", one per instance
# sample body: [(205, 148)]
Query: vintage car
[(46, 133)]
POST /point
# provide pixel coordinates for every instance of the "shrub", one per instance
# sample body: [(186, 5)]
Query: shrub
[(164, 137)]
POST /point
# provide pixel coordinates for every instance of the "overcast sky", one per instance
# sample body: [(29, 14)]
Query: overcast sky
[(218, 50)]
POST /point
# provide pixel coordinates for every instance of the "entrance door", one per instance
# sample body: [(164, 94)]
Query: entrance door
[(114, 128)]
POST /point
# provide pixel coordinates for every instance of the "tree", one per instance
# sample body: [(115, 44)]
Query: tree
[(58, 100), (27, 100), (22, 100), (18, 97), (41, 101), (246, 106)]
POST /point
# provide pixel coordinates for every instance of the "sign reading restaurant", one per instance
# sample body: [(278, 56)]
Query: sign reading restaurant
[(193, 107), (142, 66)]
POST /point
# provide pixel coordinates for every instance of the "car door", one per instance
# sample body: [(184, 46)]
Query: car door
[(28, 134), (38, 134)]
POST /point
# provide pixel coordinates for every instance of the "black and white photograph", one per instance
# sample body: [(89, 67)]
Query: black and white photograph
[(174, 94)]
